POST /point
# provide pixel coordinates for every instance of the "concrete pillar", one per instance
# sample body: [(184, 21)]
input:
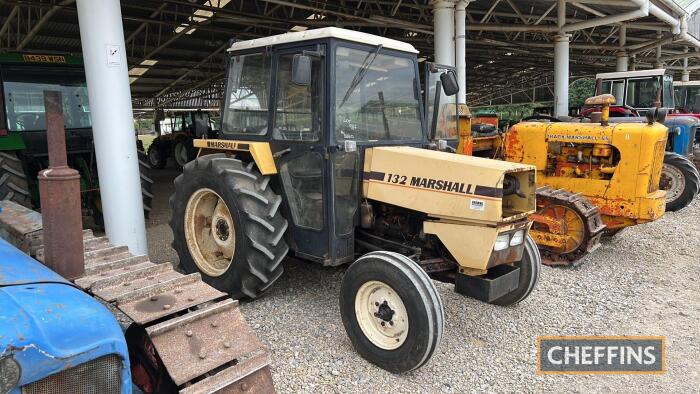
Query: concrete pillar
[(685, 74), (622, 56), (561, 64), (561, 75), (461, 49), (444, 28), (106, 70), (622, 61), (658, 63)]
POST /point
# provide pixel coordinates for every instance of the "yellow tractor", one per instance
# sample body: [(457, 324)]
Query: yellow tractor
[(594, 177), (324, 154), (617, 167), (566, 225)]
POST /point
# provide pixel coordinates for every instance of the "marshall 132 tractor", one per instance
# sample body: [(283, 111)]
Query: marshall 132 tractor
[(323, 155)]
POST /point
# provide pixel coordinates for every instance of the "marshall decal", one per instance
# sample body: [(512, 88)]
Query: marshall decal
[(219, 144), (435, 184)]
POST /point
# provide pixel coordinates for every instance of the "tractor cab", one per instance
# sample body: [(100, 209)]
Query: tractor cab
[(687, 96), (636, 91), (24, 78), (318, 98)]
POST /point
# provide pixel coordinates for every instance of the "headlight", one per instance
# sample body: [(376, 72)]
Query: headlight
[(518, 238), (9, 374), (501, 242)]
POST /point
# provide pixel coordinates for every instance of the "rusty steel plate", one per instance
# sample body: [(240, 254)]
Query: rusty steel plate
[(92, 244), (200, 341), (153, 302), (107, 251), (96, 268), (112, 274), (117, 255), (20, 226), (249, 376), (110, 289)]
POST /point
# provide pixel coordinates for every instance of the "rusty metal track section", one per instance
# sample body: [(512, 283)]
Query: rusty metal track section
[(198, 332), (584, 209)]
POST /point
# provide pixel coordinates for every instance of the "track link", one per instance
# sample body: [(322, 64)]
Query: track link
[(194, 331), (558, 238)]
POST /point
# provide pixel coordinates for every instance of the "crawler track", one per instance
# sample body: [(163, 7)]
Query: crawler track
[(566, 226)]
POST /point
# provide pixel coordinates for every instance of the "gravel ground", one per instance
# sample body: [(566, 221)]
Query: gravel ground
[(643, 281)]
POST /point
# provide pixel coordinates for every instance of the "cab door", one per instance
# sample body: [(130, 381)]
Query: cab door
[(298, 122)]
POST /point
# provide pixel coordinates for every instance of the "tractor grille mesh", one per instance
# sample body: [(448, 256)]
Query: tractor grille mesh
[(98, 376), (656, 166)]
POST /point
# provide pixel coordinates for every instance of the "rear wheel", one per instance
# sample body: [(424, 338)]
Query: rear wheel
[(157, 154), (391, 311), (14, 185), (227, 225), (182, 151), (530, 267), (680, 180)]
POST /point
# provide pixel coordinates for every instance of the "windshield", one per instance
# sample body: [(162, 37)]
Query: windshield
[(381, 103), (641, 92), (24, 97), (245, 106)]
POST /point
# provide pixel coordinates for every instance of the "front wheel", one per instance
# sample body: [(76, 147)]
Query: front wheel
[(391, 311), (530, 266), (680, 180)]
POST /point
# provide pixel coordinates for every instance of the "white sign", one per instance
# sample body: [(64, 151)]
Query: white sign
[(113, 55), (477, 205)]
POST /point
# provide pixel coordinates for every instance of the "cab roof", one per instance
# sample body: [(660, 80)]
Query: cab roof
[(632, 74), (326, 32), (686, 83)]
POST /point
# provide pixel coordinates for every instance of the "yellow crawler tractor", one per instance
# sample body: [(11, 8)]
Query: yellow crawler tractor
[(324, 154), (617, 167), (593, 177), (566, 225)]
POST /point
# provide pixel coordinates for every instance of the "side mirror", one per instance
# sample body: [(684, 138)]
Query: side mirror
[(449, 83), (301, 70)]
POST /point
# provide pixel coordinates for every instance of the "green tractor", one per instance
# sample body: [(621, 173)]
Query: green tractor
[(23, 142)]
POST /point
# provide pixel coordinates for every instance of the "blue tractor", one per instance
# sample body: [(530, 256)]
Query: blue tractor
[(53, 336)]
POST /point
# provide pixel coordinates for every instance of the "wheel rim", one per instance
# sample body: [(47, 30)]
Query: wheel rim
[(209, 232), (672, 181), (181, 153), (154, 156), (381, 315), (572, 225)]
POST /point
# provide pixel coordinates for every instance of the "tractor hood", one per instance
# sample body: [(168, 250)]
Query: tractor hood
[(447, 185), (47, 325), (17, 268)]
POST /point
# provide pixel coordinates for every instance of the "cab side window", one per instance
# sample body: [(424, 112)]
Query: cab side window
[(298, 111)]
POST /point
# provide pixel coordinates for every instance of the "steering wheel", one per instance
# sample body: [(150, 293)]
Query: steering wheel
[(541, 117)]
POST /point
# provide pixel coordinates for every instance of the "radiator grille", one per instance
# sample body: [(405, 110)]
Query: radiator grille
[(656, 166), (98, 376)]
